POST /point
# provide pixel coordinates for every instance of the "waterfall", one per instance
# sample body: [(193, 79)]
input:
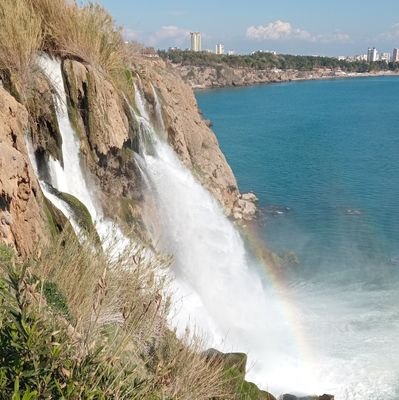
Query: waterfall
[(216, 288), (56, 201), (158, 111), (70, 178)]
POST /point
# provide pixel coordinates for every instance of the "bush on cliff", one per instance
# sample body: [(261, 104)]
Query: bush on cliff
[(20, 40), (87, 33), (61, 28)]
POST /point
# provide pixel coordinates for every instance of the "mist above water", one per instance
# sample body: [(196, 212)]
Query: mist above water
[(218, 289), (328, 151)]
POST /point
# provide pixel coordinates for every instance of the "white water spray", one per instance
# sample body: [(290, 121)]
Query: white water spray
[(216, 289)]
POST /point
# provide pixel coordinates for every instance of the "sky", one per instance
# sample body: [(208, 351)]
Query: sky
[(312, 27)]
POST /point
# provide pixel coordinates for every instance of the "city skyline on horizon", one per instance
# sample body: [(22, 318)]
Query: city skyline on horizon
[(308, 28)]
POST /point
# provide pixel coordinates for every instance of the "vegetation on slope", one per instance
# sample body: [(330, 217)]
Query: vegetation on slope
[(61, 28), (77, 324), (267, 61), (21, 38)]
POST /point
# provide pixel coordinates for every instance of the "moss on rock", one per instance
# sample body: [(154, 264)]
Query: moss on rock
[(234, 370), (55, 218), (79, 210)]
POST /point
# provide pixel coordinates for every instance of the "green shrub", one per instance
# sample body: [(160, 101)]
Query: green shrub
[(6, 253), (55, 299)]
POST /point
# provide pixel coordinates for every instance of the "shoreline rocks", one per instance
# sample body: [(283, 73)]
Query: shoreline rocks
[(245, 207)]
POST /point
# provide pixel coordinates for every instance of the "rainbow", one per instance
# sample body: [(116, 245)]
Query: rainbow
[(276, 274)]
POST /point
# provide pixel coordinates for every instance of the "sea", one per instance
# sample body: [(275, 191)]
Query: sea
[(323, 159)]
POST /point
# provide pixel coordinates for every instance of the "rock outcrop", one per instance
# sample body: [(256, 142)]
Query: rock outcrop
[(22, 209), (101, 119), (235, 365)]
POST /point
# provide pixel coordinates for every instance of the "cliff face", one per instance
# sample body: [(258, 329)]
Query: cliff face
[(214, 76), (108, 138), (101, 118), (22, 208)]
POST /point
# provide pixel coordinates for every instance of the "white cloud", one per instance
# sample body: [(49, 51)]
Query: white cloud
[(277, 30), (282, 30), (178, 35), (130, 34), (392, 34), (336, 37)]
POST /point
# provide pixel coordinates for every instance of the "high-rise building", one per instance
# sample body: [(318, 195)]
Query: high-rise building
[(372, 55), (385, 57), (395, 55), (219, 49), (196, 41)]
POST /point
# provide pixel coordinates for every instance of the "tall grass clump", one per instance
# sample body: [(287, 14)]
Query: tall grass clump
[(80, 323), (21, 38), (87, 33)]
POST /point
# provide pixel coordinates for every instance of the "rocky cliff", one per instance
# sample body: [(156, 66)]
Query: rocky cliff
[(23, 212), (222, 75), (108, 140)]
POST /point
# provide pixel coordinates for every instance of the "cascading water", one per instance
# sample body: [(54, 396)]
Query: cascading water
[(216, 289), (56, 201), (158, 111), (69, 178)]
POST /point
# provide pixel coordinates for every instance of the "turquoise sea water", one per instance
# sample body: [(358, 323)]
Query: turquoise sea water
[(329, 151)]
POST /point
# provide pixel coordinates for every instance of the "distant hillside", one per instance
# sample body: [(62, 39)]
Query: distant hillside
[(207, 70), (262, 61)]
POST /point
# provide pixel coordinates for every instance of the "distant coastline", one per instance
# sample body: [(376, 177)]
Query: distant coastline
[(214, 77)]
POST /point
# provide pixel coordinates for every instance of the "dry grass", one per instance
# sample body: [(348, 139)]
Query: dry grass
[(86, 33), (121, 304), (62, 28), (182, 372), (20, 39)]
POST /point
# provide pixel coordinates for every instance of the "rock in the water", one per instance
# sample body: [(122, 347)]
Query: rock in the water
[(249, 197)]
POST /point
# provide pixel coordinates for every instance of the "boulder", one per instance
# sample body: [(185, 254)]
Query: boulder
[(234, 369), (249, 197)]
